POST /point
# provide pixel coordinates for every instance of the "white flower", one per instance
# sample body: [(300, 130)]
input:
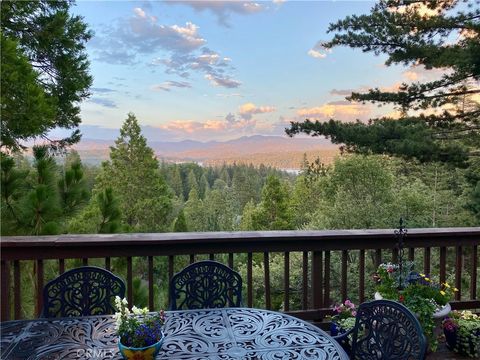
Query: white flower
[(124, 301), (136, 311)]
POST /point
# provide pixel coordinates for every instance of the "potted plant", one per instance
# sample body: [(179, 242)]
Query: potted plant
[(425, 298), (343, 319), (462, 332), (140, 332)]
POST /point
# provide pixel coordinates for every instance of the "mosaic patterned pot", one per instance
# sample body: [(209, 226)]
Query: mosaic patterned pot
[(143, 353)]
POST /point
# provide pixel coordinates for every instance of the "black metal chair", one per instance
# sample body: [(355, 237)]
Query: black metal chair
[(204, 285), (83, 291), (384, 330)]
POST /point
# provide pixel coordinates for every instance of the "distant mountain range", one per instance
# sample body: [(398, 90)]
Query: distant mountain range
[(276, 151)]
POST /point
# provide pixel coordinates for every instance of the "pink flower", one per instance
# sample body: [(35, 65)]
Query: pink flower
[(354, 313), (349, 304)]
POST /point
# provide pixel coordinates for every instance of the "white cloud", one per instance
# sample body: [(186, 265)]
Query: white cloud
[(167, 85), (223, 81), (247, 110), (316, 54), (139, 12), (318, 51), (127, 39), (340, 110), (222, 9)]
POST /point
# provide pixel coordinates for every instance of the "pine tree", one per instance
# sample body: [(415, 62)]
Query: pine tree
[(40, 208), (44, 70), (132, 172), (194, 212), (180, 223), (13, 186), (110, 215), (434, 124), (192, 182), (203, 186), (72, 185), (273, 212)]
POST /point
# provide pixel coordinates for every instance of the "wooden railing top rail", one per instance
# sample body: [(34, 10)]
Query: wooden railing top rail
[(101, 245)]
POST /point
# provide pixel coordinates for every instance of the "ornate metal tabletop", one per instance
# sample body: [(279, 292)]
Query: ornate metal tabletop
[(231, 333)]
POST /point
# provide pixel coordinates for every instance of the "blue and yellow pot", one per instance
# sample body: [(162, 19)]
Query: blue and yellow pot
[(143, 353)]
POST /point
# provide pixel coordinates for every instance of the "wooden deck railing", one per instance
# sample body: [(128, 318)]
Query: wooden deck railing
[(455, 249)]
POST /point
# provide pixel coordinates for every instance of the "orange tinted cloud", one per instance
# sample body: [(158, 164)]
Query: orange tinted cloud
[(248, 109), (343, 110)]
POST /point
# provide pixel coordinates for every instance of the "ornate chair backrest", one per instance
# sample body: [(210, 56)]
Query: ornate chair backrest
[(83, 291), (386, 329), (204, 285)]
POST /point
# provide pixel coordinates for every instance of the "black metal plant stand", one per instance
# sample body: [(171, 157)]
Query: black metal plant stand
[(400, 235)]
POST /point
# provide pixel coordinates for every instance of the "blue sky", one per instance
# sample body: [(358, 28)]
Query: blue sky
[(217, 70)]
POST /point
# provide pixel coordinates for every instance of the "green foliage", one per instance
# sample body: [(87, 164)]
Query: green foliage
[(180, 223), (273, 212), (439, 119), (40, 208), (110, 213), (466, 327), (133, 174), (73, 187), (194, 213), (44, 70)]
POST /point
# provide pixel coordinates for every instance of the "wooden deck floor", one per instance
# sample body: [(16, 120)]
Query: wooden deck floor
[(443, 353)]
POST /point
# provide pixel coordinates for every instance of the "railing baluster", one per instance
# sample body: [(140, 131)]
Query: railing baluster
[(5, 271), (39, 286), (305, 281), (473, 277), (286, 279), (395, 255), (170, 268), (378, 257), (266, 265), (458, 272), (192, 258), (411, 254), (17, 296), (170, 272), (317, 279), (361, 276), (211, 257), (344, 275), (249, 280), (230, 260), (85, 261), (61, 266), (151, 304), (129, 281), (326, 279), (426, 261), (107, 263), (443, 264)]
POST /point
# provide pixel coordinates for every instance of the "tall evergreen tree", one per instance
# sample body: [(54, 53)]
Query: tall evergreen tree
[(194, 212), (133, 174), (44, 70), (435, 124), (73, 187), (40, 208), (180, 223), (273, 212), (110, 214)]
